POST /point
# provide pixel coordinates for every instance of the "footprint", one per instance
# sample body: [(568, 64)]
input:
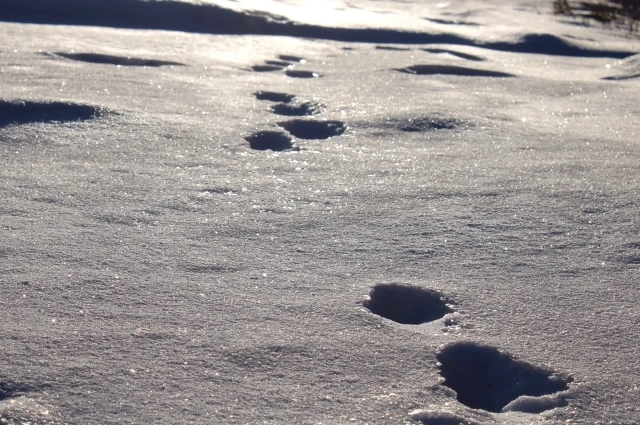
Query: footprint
[(290, 58), (281, 64), (8, 390), (307, 129), (622, 77), (270, 140), (266, 68), (409, 305), (302, 74), (296, 109), (273, 96), (399, 49), (27, 111), (451, 70), (485, 378), (115, 60), (428, 124), (460, 55)]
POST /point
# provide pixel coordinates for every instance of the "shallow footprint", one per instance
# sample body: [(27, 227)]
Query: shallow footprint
[(270, 140), (273, 96), (308, 129), (296, 109), (28, 111), (115, 60), (451, 70), (282, 64), (460, 55), (485, 378), (291, 58), (393, 48)]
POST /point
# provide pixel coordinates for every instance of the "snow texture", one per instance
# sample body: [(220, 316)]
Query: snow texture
[(197, 196)]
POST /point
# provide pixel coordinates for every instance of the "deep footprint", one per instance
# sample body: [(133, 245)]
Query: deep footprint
[(115, 60), (302, 74), (307, 129), (296, 109), (270, 140), (460, 55), (451, 70), (27, 111), (266, 68), (408, 305), (485, 378), (272, 96)]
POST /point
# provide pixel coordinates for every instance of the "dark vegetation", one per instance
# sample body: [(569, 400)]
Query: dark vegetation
[(620, 12)]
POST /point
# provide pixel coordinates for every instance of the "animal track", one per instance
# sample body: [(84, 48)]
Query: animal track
[(307, 129), (408, 305), (266, 68), (27, 111), (272, 96), (296, 109), (302, 74), (115, 60), (270, 140), (485, 378), (466, 56), (451, 70)]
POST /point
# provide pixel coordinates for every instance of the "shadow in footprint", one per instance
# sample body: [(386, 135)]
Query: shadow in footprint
[(290, 58), (27, 111), (398, 49), (296, 109), (115, 60), (273, 96), (428, 124), (313, 130), (460, 55), (622, 77), (417, 125), (408, 305), (485, 378), (266, 68), (451, 70), (270, 140), (302, 74), (8, 390), (282, 64)]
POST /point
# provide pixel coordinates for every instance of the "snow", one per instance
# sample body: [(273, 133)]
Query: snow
[(449, 201)]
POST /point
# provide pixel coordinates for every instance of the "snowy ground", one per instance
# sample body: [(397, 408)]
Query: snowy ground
[(481, 176)]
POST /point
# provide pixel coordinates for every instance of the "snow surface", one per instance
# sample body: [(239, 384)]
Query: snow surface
[(154, 268)]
